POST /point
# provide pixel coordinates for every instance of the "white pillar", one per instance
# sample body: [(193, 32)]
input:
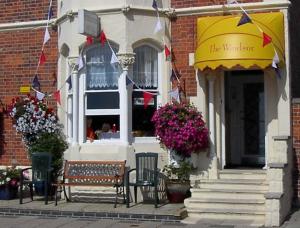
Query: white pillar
[(213, 172), (75, 105), (126, 59)]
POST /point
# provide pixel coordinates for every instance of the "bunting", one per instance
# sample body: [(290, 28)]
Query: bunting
[(50, 13), (158, 26), (56, 95), (114, 59), (128, 81), (154, 4), (167, 53), (39, 95), (275, 60), (266, 39), (102, 38), (80, 62), (42, 58), (46, 36), (147, 98), (69, 81), (244, 19), (89, 40), (35, 83), (174, 94)]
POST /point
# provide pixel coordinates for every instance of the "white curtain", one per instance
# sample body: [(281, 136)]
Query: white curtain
[(145, 73), (100, 73)]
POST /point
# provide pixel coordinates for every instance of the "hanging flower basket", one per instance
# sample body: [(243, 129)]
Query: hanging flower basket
[(180, 128)]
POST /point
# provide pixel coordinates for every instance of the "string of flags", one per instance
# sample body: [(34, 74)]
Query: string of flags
[(245, 18)]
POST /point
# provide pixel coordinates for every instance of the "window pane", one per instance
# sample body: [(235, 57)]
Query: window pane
[(141, 124), (105, 100), (145, 73), (103, 127), (100, 73)]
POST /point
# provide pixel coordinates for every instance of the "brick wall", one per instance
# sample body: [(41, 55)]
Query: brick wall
[(19, 54), (295, 68), (296, 146)]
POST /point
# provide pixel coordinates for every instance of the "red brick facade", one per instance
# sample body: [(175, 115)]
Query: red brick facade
[(19, 54)]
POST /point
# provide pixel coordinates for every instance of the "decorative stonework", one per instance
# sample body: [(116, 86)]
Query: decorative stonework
[(126, 59)]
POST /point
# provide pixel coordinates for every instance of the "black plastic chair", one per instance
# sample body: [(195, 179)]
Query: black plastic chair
[(146, 175), (41, 171)]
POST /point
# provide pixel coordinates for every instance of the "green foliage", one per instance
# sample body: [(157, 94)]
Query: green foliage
[(182, 172), (54, 144)]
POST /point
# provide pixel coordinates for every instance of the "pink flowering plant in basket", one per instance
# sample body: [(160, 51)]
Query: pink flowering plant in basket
[(180, 128)]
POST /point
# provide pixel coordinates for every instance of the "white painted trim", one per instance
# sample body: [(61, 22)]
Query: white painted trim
[(223, 122), (217, 9), (102, 112)]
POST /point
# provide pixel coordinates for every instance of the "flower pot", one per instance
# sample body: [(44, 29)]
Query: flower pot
[(8, 192), (177, 190)]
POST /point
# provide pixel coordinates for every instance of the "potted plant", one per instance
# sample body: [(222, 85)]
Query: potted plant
[(181, 129), (178, 183), (40, 129), (9, 182)]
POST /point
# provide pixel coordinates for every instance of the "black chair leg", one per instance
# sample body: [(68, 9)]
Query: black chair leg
[(21, 193), (31, 191), (135, 194), (127, 195), (124, 199), (156, 196)]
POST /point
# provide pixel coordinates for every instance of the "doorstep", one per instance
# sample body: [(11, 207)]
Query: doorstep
[(172, 213)]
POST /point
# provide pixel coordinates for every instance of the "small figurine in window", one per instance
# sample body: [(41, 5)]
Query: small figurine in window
[(106, 127), (90, 134)]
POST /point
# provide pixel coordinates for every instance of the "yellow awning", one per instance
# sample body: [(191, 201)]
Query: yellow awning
[(220, 42)]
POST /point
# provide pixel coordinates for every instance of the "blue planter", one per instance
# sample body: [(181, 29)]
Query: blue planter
[(39, 187), (8, 192)]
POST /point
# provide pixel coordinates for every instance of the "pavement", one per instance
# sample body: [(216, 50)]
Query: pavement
[(103, 214)]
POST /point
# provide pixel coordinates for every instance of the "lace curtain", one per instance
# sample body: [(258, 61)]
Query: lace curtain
[(100, 73), (145, 73)]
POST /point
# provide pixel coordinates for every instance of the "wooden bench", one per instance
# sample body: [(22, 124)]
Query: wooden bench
[(93, 173)]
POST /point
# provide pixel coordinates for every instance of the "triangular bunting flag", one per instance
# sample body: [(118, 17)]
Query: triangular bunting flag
[(42, 58), (266, 39), (39, 95), (35, 83), (147, 99), (114, 59), (167, 53), (128, 81), (56, 95), (158, 26), (50, 13), (46, 36), (154, 4), (275, 60), (277, 71), (174, 94), (89, 40), (102, 38), (173, 76), (80, 62), (244, 19), (69, 81)]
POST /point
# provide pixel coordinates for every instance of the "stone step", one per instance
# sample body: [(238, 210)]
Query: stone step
[(242, 174), (234, 184), (237, 223), (228, 193), (226, 204)]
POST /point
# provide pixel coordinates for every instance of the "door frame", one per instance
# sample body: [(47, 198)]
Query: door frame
[(223, 123)]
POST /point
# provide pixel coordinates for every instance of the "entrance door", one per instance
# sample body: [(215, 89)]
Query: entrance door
[(245, 119)]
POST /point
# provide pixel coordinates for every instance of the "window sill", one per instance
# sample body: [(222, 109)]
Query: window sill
[(145, 140)]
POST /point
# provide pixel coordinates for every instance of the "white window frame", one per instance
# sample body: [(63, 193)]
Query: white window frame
[(84, 112), (160, 59)]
